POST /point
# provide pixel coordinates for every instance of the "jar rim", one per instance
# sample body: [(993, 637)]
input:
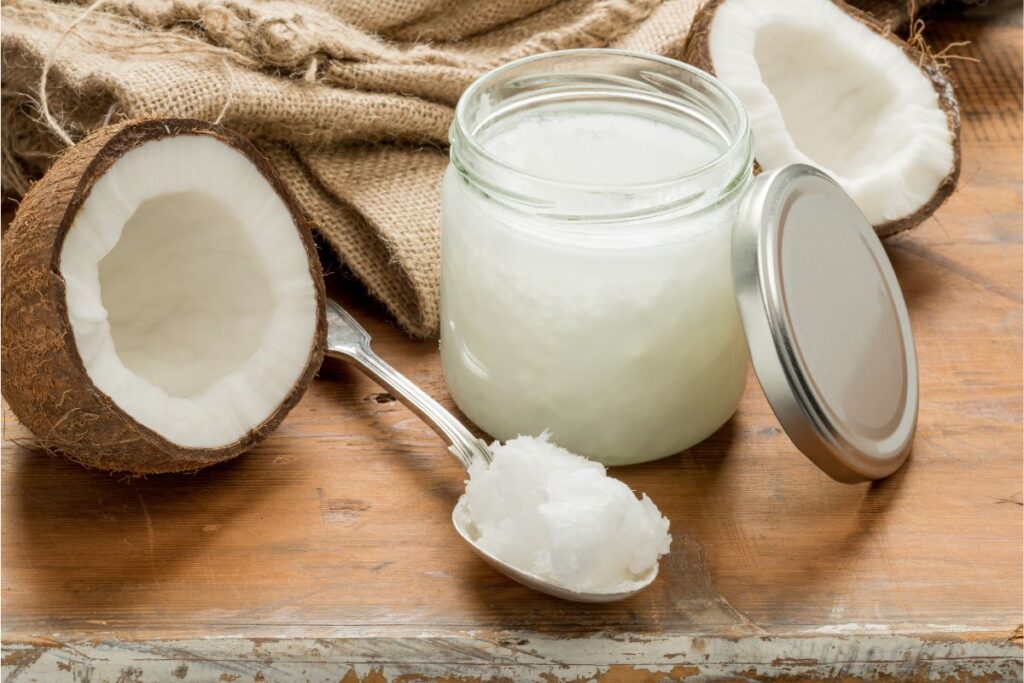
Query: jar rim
[(462, 133)]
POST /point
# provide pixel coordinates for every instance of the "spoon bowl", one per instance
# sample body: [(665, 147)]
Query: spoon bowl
[(348, 341)]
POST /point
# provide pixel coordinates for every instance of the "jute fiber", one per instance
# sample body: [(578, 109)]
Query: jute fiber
[(351, 101)]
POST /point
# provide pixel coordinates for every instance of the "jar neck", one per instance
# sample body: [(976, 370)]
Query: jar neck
[(602, 80)]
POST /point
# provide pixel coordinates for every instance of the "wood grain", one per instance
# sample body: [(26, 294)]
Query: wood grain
[(327, 553)]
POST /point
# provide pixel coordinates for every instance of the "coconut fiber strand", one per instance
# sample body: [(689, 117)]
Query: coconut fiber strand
[(351, 101)]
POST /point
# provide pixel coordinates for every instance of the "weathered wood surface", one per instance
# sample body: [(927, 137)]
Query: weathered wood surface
[(327, 553)]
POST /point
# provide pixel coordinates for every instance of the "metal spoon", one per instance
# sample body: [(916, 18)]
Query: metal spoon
[(347, 340)]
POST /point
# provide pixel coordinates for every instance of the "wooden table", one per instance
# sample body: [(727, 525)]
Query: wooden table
[(327, 553)]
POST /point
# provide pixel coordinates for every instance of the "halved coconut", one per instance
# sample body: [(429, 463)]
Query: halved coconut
[(162, 300), (827, 85)]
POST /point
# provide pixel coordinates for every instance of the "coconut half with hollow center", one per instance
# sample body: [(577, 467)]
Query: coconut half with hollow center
[(162, 300), (827, 85)]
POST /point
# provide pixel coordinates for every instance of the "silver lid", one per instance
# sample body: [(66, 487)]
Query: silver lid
[(827, 326)]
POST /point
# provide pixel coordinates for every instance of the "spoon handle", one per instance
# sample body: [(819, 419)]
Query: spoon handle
[(347, 340)]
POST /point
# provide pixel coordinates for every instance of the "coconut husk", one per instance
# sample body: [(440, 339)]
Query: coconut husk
[(895, 15), (697, 52), (43, 377)]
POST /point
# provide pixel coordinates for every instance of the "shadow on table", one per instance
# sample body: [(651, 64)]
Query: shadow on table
[(818, 560), (98, 540), (439, 472)]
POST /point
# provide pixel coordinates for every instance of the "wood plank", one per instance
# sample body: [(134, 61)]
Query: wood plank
[(327, 552), (539, 658)]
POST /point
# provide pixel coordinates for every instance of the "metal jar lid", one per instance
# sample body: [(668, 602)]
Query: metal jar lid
[(827, 326)]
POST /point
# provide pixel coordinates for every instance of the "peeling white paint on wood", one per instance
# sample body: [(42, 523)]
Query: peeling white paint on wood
[(518, 656)]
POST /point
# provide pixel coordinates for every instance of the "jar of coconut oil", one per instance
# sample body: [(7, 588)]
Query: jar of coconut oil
[(586, 274)]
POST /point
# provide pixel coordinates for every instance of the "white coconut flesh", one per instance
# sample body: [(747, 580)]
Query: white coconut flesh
[(824, 89), (189, 291)]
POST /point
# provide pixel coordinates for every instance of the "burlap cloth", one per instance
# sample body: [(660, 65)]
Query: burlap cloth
[(350, 100)]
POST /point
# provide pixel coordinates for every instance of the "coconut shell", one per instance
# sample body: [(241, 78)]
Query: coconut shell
[(44, 380), (698, 53), (897, 15)]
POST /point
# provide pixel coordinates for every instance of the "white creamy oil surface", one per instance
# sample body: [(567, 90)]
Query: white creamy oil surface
[(598, 148), (618, 335), (560, 516)]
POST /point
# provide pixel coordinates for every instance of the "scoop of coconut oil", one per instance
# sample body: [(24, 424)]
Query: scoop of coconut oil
[(556, 514)]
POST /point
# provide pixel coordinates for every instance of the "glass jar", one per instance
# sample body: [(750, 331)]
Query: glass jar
[(586, 280)]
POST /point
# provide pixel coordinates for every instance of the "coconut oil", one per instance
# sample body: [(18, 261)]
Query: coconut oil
[(551, 513), (586, 282)]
